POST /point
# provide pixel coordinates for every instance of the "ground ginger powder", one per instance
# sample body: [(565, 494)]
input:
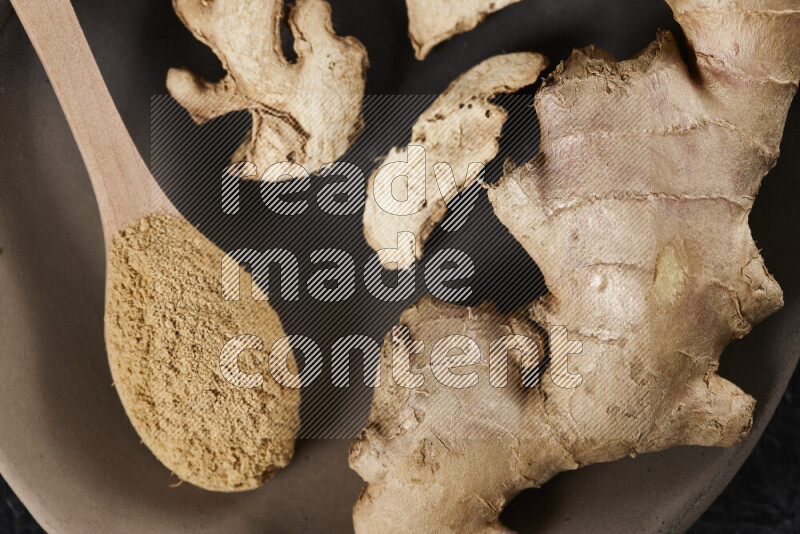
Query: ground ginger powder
[(166, 323)]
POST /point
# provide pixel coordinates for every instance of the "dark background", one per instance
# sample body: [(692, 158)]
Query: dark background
[(765, 495)]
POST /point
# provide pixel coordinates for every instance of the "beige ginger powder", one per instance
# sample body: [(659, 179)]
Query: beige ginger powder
[(166, 324)]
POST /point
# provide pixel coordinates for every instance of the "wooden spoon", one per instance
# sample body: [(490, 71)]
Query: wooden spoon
[(123, 185), (166, 323)]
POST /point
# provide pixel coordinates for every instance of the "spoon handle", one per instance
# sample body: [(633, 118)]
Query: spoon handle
[(122, 183)]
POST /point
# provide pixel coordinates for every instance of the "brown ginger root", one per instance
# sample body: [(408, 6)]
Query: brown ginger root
[(166, 325), (307, 112), (431, 22), (442, 459), (460, 129), (636, 211)]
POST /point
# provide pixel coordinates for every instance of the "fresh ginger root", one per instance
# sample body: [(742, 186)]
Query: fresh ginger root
[(443, 459), (458, 133), (307, 112), (636, 212)]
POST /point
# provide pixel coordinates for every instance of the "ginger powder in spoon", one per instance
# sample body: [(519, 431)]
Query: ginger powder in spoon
[(166, 325)]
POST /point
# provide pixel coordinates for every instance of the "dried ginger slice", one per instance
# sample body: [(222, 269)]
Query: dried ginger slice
[(460, 128), (431, 22), (307, 112)]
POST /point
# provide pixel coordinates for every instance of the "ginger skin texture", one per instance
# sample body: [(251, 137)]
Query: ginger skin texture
[(440, 459), (307, 112), (166, 325), (636, 211), (459, 133)]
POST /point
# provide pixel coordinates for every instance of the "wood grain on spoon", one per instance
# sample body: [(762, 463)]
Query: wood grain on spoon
[(122, 183), (166, 322)]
